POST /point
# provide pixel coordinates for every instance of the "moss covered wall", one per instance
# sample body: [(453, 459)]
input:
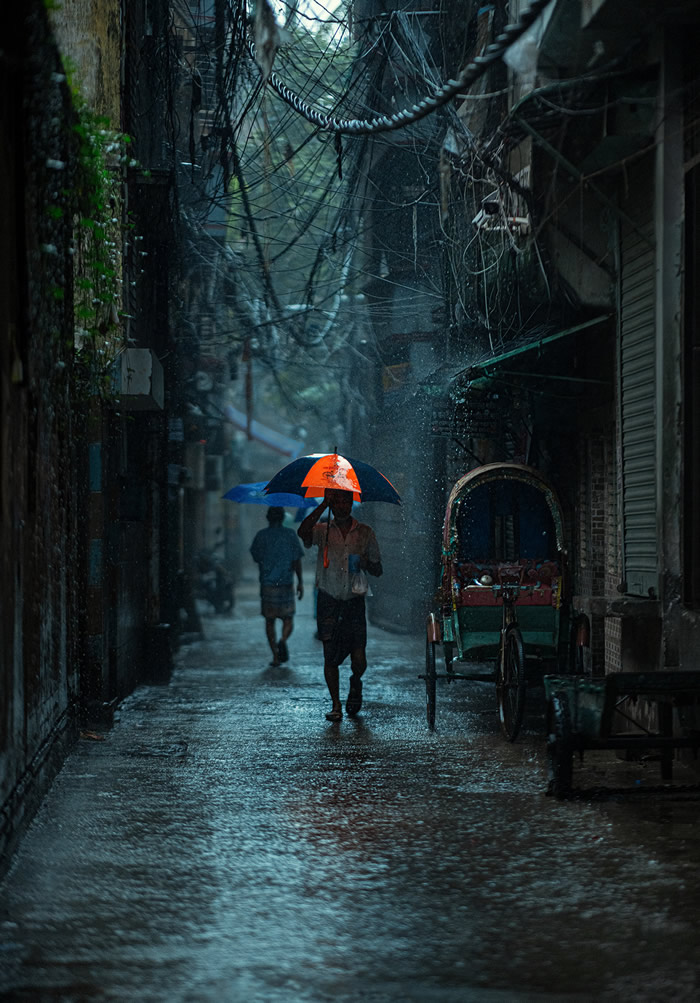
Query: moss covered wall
[(88, 33)]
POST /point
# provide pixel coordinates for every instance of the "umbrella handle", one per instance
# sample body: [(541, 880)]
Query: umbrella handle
[(325, 549)]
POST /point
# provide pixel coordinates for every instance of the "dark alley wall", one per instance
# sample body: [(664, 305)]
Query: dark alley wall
[(40, 559)]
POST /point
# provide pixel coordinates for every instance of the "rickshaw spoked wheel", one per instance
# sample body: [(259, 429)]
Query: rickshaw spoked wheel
[(430, 675), (511, 683)]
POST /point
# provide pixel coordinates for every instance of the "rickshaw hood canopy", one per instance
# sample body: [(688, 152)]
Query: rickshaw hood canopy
[(475, 478)]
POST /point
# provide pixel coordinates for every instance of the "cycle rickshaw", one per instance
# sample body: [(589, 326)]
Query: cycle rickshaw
[(502, 594)]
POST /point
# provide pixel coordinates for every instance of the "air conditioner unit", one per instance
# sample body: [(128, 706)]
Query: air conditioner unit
[(138, 380)]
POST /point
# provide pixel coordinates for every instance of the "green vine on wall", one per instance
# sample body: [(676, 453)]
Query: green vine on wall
[(98, 234), (100, 230)]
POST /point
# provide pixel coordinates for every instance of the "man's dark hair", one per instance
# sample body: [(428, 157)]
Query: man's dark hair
[(275, 514)]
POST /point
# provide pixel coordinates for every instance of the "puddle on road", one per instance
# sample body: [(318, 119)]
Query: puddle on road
[(248, 850)]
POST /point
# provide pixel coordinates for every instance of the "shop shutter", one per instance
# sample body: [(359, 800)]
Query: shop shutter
[(638, 385)]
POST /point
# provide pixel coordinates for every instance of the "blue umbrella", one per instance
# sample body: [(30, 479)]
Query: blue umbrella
[(252, 494)]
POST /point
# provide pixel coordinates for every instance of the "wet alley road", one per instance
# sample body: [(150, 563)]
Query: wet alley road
[(224, 842)]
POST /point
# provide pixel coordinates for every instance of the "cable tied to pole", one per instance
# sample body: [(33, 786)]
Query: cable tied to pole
[(399, 120)]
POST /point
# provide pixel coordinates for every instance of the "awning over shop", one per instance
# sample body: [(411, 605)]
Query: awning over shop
[(274, 440), (498, 399), (489, 366)]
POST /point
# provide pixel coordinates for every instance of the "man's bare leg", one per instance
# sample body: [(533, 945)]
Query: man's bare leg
[(358, 662), (287, 628), (331, 675), (358, 665), (272, 639)]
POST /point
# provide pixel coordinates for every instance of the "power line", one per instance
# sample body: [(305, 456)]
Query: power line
[(427, 105)]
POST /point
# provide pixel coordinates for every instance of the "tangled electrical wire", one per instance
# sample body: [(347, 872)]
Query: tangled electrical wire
[(427, 105), (325, 207)]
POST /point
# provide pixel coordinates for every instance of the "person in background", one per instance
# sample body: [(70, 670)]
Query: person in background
[(278, 553), (345, 547)]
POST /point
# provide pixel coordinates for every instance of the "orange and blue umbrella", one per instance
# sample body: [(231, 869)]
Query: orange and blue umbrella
[(309, 476)]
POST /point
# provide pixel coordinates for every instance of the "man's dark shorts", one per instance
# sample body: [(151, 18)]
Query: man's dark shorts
[(341, 626)]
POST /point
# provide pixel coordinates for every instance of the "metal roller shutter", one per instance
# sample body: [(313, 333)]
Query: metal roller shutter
[(638, 386)]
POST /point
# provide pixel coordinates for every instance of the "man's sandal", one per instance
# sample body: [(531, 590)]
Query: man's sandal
[(334, 715)]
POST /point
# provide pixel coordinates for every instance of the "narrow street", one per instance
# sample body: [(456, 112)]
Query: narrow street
[(223, 842)]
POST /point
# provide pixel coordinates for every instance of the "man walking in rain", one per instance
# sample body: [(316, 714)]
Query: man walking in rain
[(345, 548), (278, 553)]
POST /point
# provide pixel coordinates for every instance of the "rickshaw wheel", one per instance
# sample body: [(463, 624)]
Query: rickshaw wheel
[(430, 675), (560, 752), (511, 683)]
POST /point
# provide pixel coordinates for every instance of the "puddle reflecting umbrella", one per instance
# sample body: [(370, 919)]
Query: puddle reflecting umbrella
[(311, 475)]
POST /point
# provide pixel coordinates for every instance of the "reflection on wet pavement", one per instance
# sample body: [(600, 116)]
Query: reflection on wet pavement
[(226, 843)]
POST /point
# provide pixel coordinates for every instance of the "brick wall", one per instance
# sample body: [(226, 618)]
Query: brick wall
[(596, 560), (613, 639), (41, 613), (613, 560), (613, 526)]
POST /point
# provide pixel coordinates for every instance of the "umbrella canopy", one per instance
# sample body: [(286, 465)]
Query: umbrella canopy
[(253, 494), (311, 475)]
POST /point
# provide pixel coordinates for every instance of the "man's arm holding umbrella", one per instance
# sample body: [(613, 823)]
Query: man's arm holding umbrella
[(306, 527)]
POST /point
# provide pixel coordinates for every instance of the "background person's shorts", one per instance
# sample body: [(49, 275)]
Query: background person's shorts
[(277, 601)]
